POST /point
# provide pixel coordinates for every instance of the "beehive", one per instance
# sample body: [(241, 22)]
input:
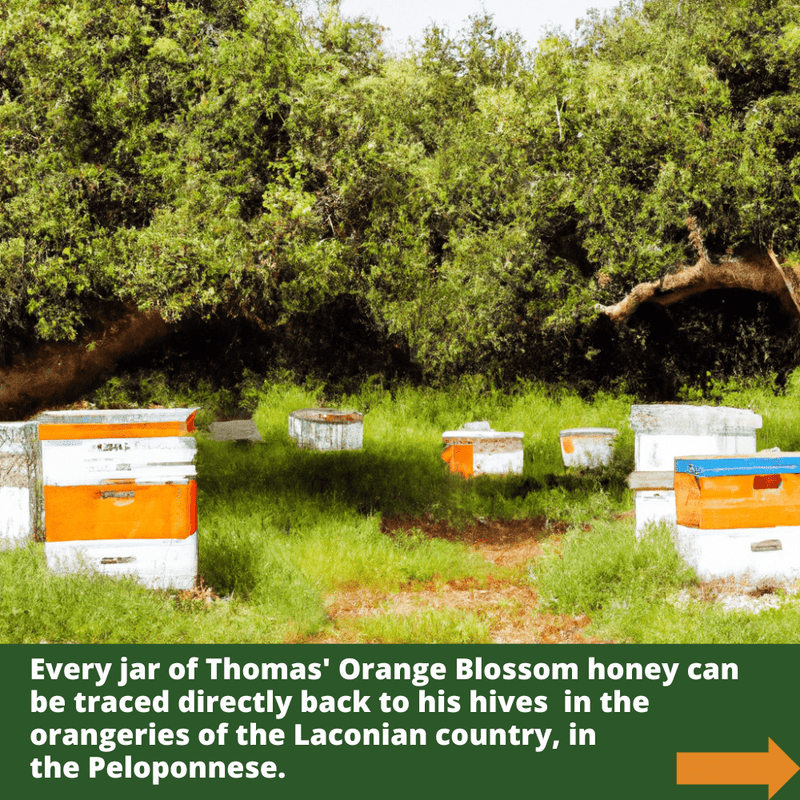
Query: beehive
[(586, 448), (739, 516), (120, 494), (326, 429), (664, 432), (20, 484), (475, 449)]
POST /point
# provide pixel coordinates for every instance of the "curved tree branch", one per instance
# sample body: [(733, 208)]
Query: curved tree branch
[(754, 270)]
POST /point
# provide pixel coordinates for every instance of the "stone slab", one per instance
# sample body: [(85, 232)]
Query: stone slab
[(235, 430)]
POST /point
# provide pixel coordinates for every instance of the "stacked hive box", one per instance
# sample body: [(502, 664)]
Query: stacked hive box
[(20, 484), (476, 449), (665, 432), (739, 516), (120, 494)]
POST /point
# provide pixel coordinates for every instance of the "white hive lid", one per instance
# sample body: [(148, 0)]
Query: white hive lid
[(124, 416), (687, 420), (589, 432), (481, 430)]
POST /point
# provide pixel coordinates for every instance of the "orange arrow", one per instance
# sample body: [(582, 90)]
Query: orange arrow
[(773, 768)]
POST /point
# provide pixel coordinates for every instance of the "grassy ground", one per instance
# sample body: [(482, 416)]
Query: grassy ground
[(384, 545)]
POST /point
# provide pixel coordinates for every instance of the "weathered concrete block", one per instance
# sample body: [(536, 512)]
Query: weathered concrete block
[(664, 432), (326, 429)]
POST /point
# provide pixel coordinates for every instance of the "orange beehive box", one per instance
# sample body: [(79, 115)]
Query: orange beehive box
[(120, 493), (124, 510), (736, 492)]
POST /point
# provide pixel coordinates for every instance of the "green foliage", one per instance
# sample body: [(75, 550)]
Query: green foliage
[(135, 140), (231, 159), (144, 389)]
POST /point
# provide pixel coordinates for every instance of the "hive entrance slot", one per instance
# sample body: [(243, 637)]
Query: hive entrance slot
[(766, 546), (766, 481)]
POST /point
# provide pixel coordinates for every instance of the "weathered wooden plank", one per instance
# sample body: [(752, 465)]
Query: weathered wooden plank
[(651, 480)]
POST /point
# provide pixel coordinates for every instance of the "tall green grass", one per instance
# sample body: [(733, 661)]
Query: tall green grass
[(639, 590), (38, 606), (698, 622), (607, 565)]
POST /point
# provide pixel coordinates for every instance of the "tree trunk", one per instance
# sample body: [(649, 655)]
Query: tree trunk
[(757, 271), (57, 373)]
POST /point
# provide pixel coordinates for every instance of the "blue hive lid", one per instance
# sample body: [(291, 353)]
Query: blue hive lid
[(755, 464)]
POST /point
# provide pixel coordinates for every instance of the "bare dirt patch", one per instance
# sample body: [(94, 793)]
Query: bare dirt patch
[(507, 601), (483, 531)]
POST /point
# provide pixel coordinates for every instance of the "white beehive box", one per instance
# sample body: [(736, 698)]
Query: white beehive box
[(587, 448), (475, 449), (665, 432), (20, 484), (120, 494)]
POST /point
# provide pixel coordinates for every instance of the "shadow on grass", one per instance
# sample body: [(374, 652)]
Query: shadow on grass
[(367, 482), (383, 482)]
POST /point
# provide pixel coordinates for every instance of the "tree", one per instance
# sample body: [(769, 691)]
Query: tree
[(683, 113), (137, 143), (489, 209)]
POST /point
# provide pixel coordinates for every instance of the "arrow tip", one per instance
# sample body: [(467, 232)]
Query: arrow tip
[(781, 768)]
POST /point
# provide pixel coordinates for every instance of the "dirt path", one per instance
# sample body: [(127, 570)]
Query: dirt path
[(506, 601)]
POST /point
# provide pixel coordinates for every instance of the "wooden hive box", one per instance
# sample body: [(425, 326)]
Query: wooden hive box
[(475, 449), (120, 493), (739, 516), (665, 431)]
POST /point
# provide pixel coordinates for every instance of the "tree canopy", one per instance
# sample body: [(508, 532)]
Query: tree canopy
[(475, 200)]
